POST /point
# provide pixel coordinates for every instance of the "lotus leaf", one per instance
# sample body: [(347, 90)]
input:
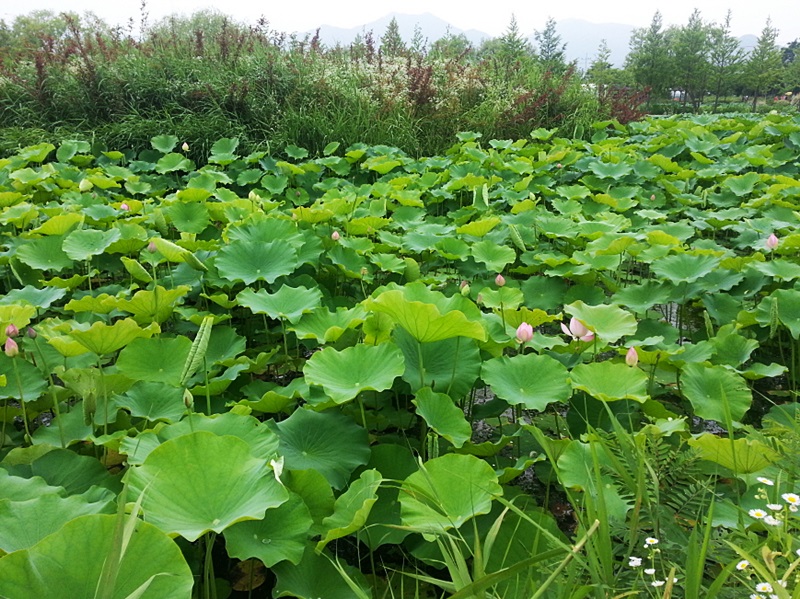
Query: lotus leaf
[(351, 509), (157, 360), (715, 392), (609, 322), (250, 261), (316, 577), (443, 416), (610, 381), (289, 303), (530, 380), (741, 456)]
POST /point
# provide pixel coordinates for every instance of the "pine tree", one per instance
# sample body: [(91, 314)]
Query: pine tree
[(764, 66), (392, 42), (691, 47), (551, 50), (600, 70), (726, 58)]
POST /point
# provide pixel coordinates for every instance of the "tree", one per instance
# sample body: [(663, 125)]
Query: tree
[(418, 43), (725, 58), (600, 70), (392, 42), (763, 70), (512, 43), (649, 58), (691, 48), (551, 50)]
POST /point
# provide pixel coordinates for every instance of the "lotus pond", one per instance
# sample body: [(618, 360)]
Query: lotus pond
[(534, 368)]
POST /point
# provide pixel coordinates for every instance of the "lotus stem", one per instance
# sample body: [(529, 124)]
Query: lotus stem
[(21, 403)]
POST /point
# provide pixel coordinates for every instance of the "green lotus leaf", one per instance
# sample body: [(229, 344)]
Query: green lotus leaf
[(154, 306), (136, 270), (16, 314), (104, 339), (316, 577), (275, 184), (530, 380), (610, 381), (641, 298), (85, 243), (153, 401), (22, 488), (45, 253), (731, 348), (715, 392), (172, 162), (70, 562), (351, 509), (31, 383), (742, 456), (443, 416), (742, 185), (446, 492), (280, 535), (189, 217), (32, 296), (164, 143), (573, 192), (288, 303), (328, 442), (424, 321), (214, 482), (479, 228), (505, 298), (326, 326), (495, 257), (608, 170), (75, 473), (783, 306), (251, 261), (48, 512), (346, 373), (99, 304), (316, 493), (60, 224), (609, 322), (157, 360), (685, 268)]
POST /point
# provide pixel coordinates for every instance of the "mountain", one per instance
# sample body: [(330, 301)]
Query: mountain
[(583, 39)]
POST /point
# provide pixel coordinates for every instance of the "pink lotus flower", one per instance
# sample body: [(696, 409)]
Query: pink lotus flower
[(11, 348), (653, 196), (12, 330), (335, 236), (499, 280), (31, 332), (632, 357), (524, 333), (559, 165), (124, 207), (151, 247), (577, 330), (772, 242)]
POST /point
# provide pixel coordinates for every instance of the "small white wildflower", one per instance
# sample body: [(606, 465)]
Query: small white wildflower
[(764, 587), (742, 564), (635, 562), (770, 521), (757, 513), (775, 507), (797, 551), (791, 498), (657, 583), (765, 481), (650, 571), (782, 583), (650, 541), (756, 596), (792, 508)]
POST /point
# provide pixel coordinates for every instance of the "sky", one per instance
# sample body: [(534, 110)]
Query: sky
[(493, 17)]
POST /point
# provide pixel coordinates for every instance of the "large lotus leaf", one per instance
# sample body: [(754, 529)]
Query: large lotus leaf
[(63, 468), (424, 321), (25, 382), (280, 535), (530, 380), (327, 442), (213, 482), (731, 348), (85, 243), (326, 326), (104, 339), (685, 268), (251, 261), (44, 253), (164, 143), (449, 366), (316, 493), (153, 401), (609, 322), (41, 298), (173, 162), (316, 577), (352, 508), (609, 170), (641, 298), (25, 523), (742, 456), (18, 315), (495, 257), (610, 381), (446, 492), (153, 306), (715, 392), (743, 184), (69, 564), (288, 303), (443, 416), (505, 298), (156, 360), (346, 373), (189, 217), (22, 488), (783, 305)]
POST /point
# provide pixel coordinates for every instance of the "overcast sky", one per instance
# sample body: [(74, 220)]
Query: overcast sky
[(492, 17)]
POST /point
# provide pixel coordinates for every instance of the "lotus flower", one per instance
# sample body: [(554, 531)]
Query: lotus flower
[(772, 242), (11, 348), (185, 147), (653, 196), (524, 333), (632, 357), (124, 207), (31, 333), (499, 280), (335, 236), (577, 330), (151, 247), (12, 330)]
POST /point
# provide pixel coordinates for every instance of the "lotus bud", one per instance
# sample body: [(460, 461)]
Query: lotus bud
[(185, 147), (335, 236), (632, 357), (151, 247), (499, 280), (11, 348), (652, 196), (772, 242), (524, 333), (124, 207), (31, 333), (188, 399), (464, 288), (85, 185), (559, 165), (12, 330), (479, 299)]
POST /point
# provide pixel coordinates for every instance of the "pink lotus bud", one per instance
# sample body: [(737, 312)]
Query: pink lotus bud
[(151, 247), (11, 348), (499, 280), (524, 333), (185, 147), (577, 330), (124, 207), (479, 299), (335, 236), (559, 165), (632, 357), (465, 289), (31, 333), (772, 242), (463, 284), (12, 330), (653, 196)]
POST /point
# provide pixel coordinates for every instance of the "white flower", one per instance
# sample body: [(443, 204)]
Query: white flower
[(783, 583), (657, 583), (791, 498), (650, 541), (770, 521), (792, 508), (742, 564), (775, 507), (797, 551), (650, 571), (756, 596), (757, 513), (765, 481), (635, 562), (764, 587)]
